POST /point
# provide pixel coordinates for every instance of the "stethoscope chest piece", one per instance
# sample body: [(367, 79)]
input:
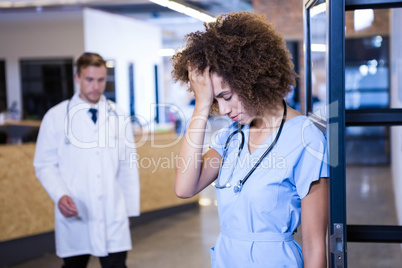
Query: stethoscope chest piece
[(237, 187)]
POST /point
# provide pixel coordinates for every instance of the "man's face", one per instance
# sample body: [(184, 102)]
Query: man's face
[(92, 81)]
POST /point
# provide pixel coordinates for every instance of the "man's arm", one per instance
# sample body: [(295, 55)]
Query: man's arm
[(46, 160)]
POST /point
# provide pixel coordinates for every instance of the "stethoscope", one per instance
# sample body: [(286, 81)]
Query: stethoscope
[(237, 188), (67, 140)]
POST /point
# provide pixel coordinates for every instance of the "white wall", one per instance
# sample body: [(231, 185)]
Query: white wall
[(396, 102), (37, 35), (126, 40)]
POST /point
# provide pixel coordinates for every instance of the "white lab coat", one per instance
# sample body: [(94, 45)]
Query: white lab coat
[(94, 169)]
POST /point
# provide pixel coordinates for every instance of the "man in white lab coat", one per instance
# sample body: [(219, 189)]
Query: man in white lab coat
[(82, 160)]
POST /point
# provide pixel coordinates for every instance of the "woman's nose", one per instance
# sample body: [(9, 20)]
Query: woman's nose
[(224, 109)]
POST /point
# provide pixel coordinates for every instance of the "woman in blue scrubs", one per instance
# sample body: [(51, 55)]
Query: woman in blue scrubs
[(269, 165)]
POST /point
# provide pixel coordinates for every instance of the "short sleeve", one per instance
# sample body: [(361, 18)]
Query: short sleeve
[(218, 139), (313, 162)]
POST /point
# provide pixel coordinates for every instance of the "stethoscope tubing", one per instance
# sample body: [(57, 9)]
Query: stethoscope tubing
[(225, 149), (237, 188), (239, 130), (239, 185), (67, 141)]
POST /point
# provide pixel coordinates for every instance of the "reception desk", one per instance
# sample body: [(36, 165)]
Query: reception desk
[(27, 210)]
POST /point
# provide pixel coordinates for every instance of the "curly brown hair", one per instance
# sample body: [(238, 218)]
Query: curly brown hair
[(244, 49)]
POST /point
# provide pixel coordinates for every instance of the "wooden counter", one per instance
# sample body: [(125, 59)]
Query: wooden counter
[(26, 123), (26, 209)]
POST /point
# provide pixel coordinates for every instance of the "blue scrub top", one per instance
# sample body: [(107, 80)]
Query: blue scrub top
[(257, 224)]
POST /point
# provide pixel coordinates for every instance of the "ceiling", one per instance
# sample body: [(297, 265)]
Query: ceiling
[(213, 7), (174, 25)]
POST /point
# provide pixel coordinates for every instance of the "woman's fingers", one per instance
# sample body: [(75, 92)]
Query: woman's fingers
[(201, 85), (200, 81)]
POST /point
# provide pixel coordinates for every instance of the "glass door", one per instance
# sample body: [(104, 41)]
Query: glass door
[(349, 93)]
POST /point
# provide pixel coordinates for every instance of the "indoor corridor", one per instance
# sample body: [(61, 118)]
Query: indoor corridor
[(183, 239)]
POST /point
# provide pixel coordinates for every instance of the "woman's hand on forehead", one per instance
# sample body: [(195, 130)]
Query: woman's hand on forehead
[(201, 85)]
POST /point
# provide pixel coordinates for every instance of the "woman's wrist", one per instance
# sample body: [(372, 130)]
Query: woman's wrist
[(202, 108)]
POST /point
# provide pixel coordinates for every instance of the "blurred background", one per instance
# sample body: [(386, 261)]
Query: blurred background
[(39, 42)]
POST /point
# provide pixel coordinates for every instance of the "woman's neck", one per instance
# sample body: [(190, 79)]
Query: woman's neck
[(269, 119)]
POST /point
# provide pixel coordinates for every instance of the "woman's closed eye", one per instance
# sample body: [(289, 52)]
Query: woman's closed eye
[(228, 98)]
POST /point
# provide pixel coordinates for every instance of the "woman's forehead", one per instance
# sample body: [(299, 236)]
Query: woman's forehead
[(219, 85), (219, 80)]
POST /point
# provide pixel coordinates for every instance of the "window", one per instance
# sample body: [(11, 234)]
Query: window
[(3, 90), (367, 87), (367, 72), (45, 83), (110, 90)]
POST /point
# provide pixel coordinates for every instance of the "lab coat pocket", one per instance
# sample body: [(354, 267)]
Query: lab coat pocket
[(212, 252), (82, 210)]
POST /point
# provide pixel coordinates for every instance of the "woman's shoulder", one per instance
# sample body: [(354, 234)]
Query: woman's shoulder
[(306, 128), (292, 113)]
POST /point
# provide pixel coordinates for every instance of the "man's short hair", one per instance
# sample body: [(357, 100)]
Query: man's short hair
[(89, 59)]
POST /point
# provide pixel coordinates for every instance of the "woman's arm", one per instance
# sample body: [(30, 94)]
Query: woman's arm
[(314, 220), (194, 172)]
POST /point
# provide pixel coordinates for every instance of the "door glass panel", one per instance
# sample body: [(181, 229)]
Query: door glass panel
[(372, 81), (370, 196), (367, 72), (373, 154), (318, 37), (367, 68), (374, 255), (367, 145)]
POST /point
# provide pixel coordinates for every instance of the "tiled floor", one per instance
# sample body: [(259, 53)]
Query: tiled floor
[(370, 200)]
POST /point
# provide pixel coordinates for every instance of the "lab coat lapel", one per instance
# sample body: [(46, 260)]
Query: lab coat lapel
[(83, 128), (102, 122)]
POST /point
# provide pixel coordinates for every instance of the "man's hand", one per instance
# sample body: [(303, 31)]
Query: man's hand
[(67, 207)]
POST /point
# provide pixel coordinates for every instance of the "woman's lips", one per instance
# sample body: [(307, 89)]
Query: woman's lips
[(235, 118)]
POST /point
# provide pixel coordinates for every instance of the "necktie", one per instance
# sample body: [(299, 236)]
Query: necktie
[(94, 113)]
